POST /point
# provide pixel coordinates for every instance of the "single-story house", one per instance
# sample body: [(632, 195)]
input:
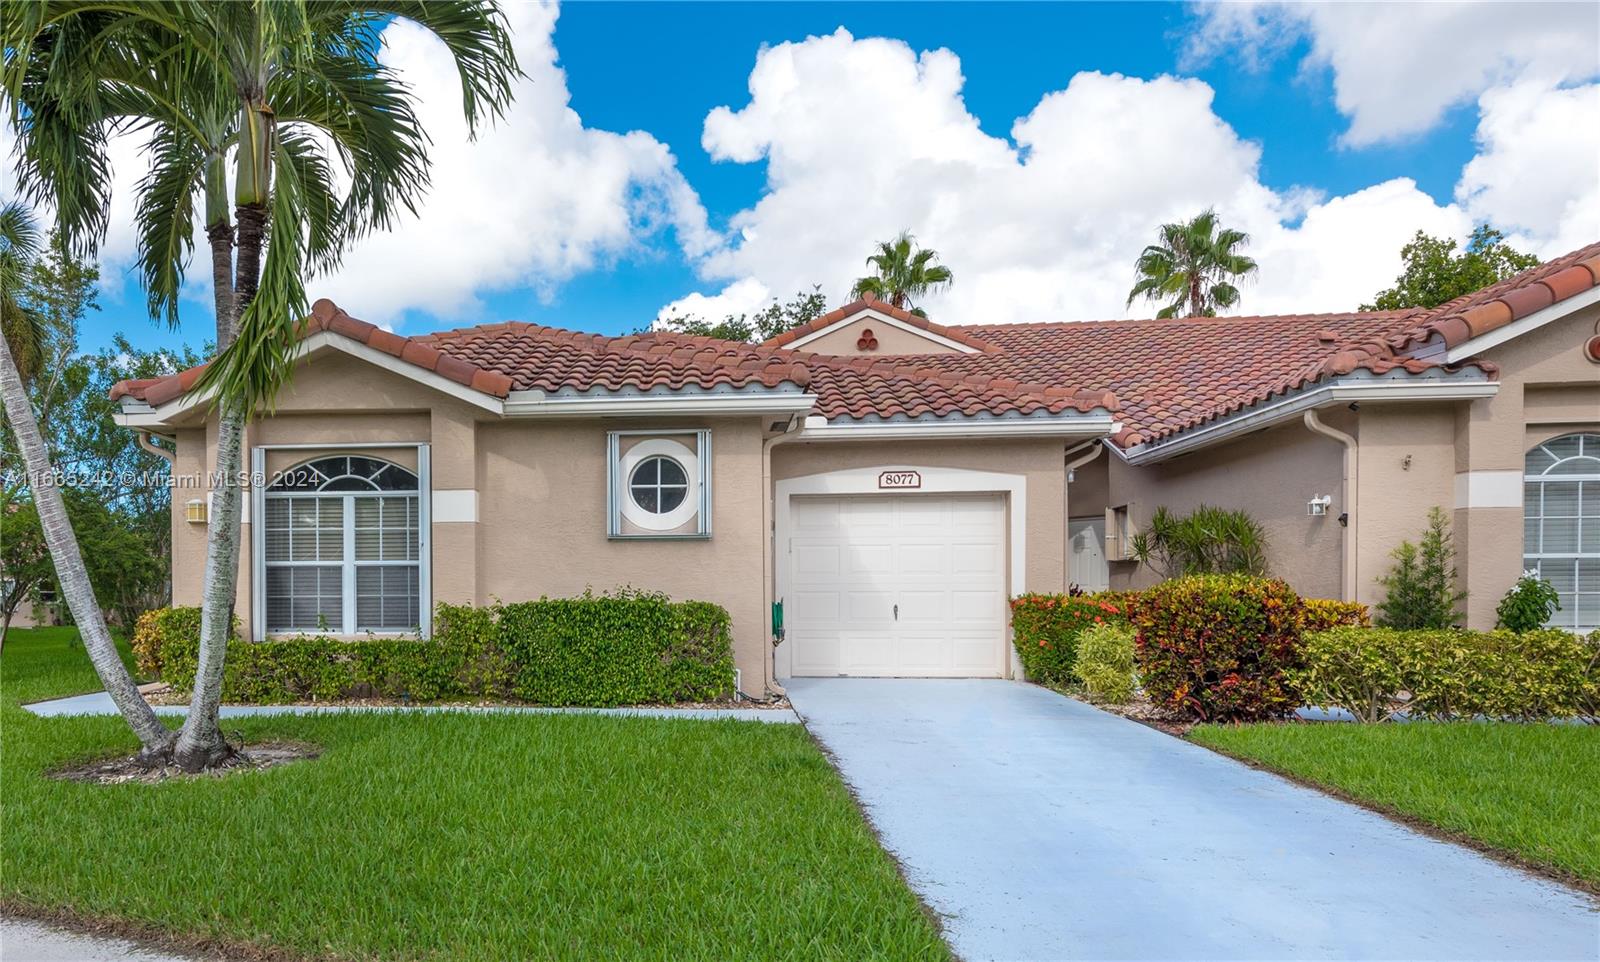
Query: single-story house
[(892, 481)]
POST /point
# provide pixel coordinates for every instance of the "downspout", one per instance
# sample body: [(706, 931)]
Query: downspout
[(143, 437), (769, 557), (1352, 476), (1095, 447)]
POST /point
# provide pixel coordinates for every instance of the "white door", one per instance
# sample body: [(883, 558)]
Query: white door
[(897, 585), (1086, 554)]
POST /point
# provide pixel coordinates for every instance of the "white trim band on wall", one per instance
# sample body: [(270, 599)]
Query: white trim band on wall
[(1489, 489), (455, 506)]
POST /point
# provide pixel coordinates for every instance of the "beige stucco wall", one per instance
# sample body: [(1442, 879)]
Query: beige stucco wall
[(891, 340), (1547, 389), (1271, 474), (1407, 458)]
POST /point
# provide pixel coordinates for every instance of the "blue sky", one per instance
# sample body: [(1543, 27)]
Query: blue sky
[(661, 68)]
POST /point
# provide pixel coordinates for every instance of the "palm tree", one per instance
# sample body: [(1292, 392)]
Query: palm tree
[(19, 241), (287, 89), (1192, 268), (904, 272)]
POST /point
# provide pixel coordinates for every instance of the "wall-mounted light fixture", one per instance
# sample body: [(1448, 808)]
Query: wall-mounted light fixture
[(1318, 505), (194, 511)]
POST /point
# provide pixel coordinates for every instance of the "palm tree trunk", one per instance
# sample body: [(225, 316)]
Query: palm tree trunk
[(155, 737), (200, 742), (1196, 302)]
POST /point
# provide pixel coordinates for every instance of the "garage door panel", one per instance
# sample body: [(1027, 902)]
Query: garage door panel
[(940, 559)]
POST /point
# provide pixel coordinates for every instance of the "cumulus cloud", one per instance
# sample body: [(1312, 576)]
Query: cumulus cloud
[(1538, 165), (536, 200), (741, 297), (1044, 225), (1397, 67)]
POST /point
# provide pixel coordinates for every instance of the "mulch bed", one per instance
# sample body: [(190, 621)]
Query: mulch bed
[(129, 768)]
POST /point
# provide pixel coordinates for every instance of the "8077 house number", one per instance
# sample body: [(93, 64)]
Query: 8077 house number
[(899, 479)]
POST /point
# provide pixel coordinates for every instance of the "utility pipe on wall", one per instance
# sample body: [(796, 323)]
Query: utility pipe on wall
[(768, 557), (1352, 476), (1095, 447)]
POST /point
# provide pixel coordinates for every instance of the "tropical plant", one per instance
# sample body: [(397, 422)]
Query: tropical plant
[(1193, 268), (18, 245), (1528, 605), (287, 90), (1421, 590), (1105, 662), (769, 322), (1207, 541), (1434, 273), (902, 273)]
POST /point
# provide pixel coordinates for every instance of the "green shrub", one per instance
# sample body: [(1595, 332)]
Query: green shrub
[(1208, 540), (1421, 587), (1045, 630), (594, 650), (1105, 662), (1219, 647), (1323, 614), (1528, 605), (1449, 674)]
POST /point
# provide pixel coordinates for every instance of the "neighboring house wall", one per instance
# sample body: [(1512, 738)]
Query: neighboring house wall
[(1270, 474), (892, 339), (1547, 389)]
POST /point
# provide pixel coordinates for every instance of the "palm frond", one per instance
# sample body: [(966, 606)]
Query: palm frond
[(164, 215), (477, 36)]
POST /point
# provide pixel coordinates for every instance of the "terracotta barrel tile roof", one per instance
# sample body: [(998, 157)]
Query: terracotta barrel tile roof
[(869, 302)]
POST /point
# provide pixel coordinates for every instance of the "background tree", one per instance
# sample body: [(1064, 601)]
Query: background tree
[(769, 322), (1193, 268), (902, 273), (24, 559), (18, 246), (1435, 273), (286, 90)]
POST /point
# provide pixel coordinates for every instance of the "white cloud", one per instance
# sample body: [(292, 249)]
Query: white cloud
[(1397, 67), (741, 297), (534, 201), (1538, 165), (1044, 226)]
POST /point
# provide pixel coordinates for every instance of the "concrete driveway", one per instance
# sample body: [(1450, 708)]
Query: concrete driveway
[(1042, 828)]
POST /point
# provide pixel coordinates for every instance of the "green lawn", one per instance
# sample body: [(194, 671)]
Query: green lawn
[(455, 836), (1526, 789)]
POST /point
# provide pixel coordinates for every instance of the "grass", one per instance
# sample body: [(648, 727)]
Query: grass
[(1526, 790), (456, 836)]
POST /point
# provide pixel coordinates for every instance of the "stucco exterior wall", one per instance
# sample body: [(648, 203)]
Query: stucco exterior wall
[(891, 340), (1407, 458), (1271, 474)]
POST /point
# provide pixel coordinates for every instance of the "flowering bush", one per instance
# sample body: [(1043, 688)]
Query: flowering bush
[(1218, 647), (1045, 629), (1528, 605)]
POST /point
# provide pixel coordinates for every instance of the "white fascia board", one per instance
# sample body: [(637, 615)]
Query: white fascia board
[(1087, 426), (139, 414), (528, 404), (1339, 392), (880, 318), (1532, 322)]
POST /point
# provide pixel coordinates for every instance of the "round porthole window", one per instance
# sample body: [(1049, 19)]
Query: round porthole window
[(660, 482)]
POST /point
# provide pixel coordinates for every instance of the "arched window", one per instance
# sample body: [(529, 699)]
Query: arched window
[(1561, 525), (341, 540)]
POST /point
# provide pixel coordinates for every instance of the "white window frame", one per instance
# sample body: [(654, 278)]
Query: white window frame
[(1538, 558), (696, 505), (258, 541)]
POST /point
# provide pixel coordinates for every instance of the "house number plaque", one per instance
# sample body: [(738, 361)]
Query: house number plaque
[(899, 479)]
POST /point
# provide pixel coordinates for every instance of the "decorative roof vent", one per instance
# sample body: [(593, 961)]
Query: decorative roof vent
[(868, 341)]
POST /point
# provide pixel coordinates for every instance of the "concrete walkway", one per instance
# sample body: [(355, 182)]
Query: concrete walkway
[(100, 703), (1043, 828), (28, 941)]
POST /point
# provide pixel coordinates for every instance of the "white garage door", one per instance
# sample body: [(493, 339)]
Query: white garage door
[(897, 585)]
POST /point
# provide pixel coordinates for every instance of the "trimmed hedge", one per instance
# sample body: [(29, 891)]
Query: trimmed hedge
[(1218, 647), (1323, 614), (1045, 630), (1450, 674), (600, 650)]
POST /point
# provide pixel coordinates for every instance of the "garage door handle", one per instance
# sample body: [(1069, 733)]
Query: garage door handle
[(896, 612)]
